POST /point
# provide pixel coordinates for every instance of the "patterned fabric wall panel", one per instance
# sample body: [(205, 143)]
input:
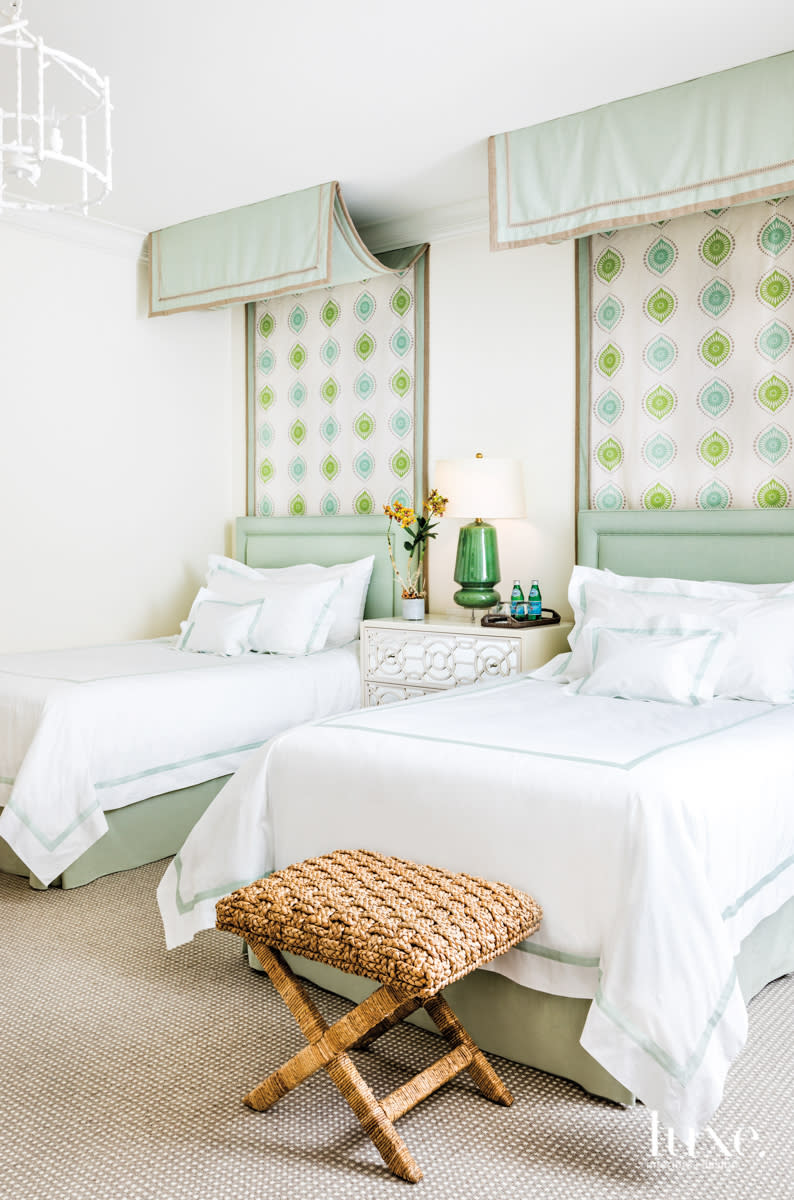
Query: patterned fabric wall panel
[(692, 330), (335, 399)]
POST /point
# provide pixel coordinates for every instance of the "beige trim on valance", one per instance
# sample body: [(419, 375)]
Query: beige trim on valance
[(713, 142), (285, 245)]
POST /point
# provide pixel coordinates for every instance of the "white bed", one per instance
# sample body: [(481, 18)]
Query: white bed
[(89, 733), (105, 716), (656, 836)]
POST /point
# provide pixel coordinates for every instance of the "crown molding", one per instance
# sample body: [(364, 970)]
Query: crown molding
[(81, 231), (428, 225)]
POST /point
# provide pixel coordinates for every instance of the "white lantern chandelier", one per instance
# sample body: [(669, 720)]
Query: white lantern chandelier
[(55, 148)]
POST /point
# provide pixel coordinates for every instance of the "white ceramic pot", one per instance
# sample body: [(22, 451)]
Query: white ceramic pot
[(413, 608)]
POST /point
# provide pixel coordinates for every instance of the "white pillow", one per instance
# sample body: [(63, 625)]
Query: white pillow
[(348, 605), (218, 626), (290, 620), (706, 589), (761, 664), (669, 664)]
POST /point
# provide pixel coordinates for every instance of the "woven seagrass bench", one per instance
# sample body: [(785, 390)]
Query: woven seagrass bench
[(414, 929)]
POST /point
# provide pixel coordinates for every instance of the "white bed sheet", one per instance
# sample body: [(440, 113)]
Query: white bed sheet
[(87, 730), (656, 836)]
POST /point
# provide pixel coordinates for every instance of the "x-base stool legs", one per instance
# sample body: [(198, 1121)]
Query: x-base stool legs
[(328, 1046)]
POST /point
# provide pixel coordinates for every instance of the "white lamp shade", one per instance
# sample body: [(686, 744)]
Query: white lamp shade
[(481, 487)]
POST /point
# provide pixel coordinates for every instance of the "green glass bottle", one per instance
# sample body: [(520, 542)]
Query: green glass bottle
[(534, 603)]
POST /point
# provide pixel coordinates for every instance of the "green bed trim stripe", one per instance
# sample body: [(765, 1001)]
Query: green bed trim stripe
[(53, 843), (185, 906), (41, 838), (576, 758), (681, 1072), (734, 908), (560, 956), (172, 766)]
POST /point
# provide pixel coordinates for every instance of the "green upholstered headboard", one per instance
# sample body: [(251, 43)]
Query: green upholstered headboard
[(284, 541), (737, 545)]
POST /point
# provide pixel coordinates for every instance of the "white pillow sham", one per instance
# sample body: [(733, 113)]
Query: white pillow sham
[(761, 663), (671, 664), (704, 589), (288, 620), (219, 626), (348, 605)]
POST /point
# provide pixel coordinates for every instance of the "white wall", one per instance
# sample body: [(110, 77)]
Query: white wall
[(122, 439), (118, 439), (502, 381)]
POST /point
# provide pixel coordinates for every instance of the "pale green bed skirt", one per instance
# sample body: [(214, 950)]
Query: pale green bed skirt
[(543, 1031), (140, 833)]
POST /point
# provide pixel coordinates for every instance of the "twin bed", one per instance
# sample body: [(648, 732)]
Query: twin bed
[(110, 754), (658, 837)]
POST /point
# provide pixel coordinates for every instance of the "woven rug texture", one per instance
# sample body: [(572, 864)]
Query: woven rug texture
[(123, 1068)]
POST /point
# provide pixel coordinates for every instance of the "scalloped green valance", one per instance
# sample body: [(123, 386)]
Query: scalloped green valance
[(720, 140), (289, 244)]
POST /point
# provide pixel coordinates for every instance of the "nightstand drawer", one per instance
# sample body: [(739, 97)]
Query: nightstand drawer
[(388, 693), (438, 660)]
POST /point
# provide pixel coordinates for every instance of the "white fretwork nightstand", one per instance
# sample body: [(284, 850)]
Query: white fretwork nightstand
[(401, 659)]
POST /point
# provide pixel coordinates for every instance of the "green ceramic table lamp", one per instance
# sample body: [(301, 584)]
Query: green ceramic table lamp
[(479, 487)]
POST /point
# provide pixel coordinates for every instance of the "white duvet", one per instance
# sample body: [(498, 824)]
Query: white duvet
[(656, 836), (88, 730)]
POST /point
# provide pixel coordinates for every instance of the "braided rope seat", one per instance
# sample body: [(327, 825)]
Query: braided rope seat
[(414, 929)]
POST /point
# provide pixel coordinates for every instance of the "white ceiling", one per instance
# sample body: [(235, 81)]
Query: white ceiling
[(222, 104)]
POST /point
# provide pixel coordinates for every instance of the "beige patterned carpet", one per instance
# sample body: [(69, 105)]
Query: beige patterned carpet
[(123, 1067)]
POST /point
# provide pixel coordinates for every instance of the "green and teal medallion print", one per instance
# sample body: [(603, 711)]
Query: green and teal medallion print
[(692, 360), (335, 393)]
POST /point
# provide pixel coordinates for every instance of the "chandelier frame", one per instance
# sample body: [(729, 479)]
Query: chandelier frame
[(33, 138)]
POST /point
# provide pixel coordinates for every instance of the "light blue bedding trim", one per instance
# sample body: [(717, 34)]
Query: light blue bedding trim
[(257, 605), (618, 766), (684, 1072), (185, 906), (183, 641), (196, 665), (734, 908), (104, 646), (561, 956), (713, 635), (52, 843), (244, 574), (184, 762), (681, 1072), (321, 615), (439, 697)]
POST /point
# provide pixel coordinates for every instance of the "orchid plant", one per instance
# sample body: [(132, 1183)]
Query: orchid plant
[(419, 528)]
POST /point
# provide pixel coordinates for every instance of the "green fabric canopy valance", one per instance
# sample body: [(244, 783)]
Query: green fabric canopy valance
[(288, 244), (720, 140)]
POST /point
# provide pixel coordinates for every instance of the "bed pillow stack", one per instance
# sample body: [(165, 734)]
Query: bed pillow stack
[(680, 640), (291, 610), (348, 603)]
